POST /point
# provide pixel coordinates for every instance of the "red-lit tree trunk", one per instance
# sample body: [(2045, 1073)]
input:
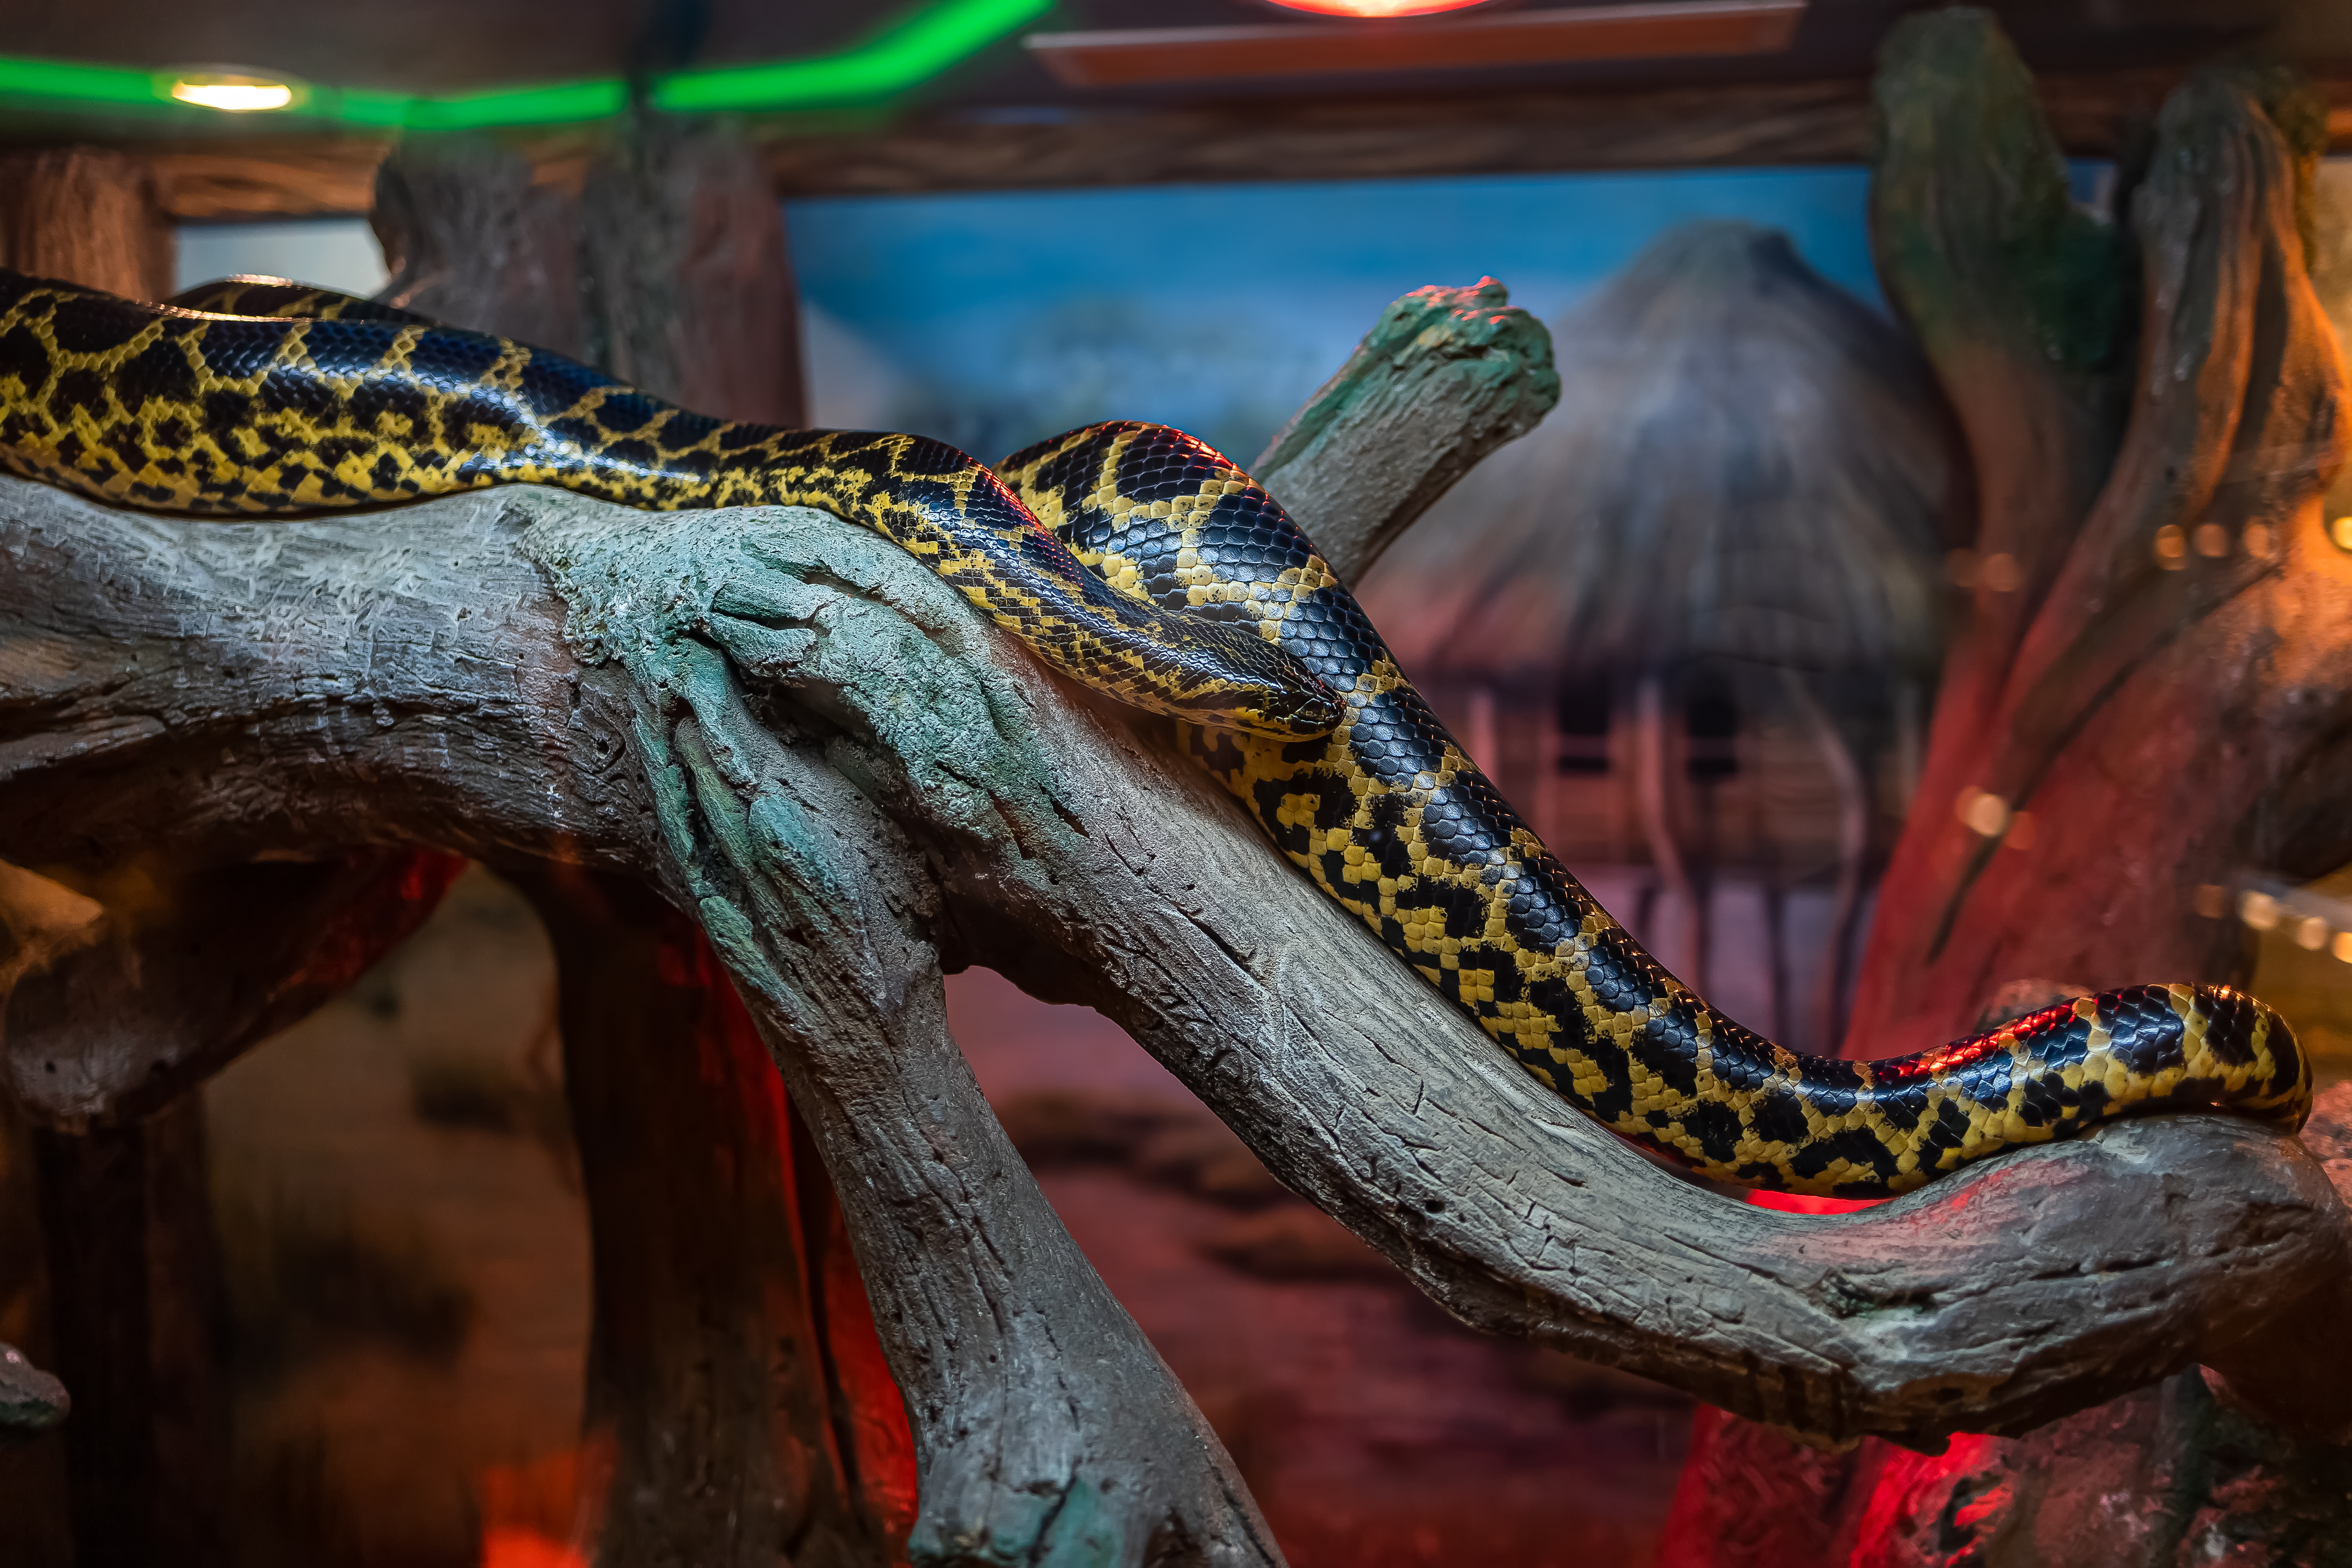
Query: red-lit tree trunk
[(736, 1392), (2153, 694)]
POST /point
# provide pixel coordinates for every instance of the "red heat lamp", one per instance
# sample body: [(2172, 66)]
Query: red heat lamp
[(1362, 8)]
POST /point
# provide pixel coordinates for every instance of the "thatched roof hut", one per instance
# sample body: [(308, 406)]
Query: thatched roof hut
[(1747, 462), (1683, 619)]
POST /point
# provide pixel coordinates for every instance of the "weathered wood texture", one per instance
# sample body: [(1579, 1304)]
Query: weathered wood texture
[(689, 290), (659, 257), (473, 238), (130, 1243), (826, 753), (1735, 123), (714, 1389), (122, 1002), (2173, 598)]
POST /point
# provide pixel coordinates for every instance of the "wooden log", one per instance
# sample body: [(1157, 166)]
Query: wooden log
[(473, 238), (1752, 125), (2188, 606), (143, 987), (662, 259), (130, 1243), (2020, 303), (1357, 1084), (123, 996), (2157, 716), (824, 750), (710, 1376)]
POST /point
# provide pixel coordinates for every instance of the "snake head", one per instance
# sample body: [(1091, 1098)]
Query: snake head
[(1224, 676), (1305, 711)]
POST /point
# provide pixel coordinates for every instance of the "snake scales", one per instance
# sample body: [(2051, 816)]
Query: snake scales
[(1141, 562)]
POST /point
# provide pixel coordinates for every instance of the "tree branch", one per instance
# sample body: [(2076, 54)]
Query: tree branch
[(1444, 377), (832, 758)]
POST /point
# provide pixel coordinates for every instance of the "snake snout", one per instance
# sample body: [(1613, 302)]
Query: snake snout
[(1300, 712)]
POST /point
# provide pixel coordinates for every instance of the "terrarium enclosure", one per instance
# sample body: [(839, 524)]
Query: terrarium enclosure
[(538, 1032)]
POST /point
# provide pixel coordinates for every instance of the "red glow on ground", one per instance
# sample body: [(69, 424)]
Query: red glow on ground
[(1366, 8), (544, 1513), (504, 1548)]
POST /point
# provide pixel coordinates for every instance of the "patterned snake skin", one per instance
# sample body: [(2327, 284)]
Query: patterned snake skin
[(1144, 565)]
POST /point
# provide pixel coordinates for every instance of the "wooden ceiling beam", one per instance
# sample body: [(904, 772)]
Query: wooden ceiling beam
[(1750, 123)]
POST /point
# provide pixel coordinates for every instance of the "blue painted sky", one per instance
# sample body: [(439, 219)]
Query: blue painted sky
[(993, 320), (997, 320)]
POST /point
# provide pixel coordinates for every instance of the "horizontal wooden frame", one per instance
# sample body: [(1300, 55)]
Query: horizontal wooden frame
[(1753, 123), (1132, 55)]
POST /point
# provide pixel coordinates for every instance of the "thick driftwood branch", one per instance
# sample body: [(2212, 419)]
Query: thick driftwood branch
[(2159, 676), (810, 739)]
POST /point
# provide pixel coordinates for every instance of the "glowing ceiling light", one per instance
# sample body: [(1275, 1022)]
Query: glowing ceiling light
[(1377, 7), (928, 37), (233, 94)]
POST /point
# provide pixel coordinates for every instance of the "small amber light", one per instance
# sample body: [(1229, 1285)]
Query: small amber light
[(2172, 547), (1983, 812), (2340, 531), (233, 94)]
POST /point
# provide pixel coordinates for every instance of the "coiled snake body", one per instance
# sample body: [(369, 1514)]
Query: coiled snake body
[(1141, 562)]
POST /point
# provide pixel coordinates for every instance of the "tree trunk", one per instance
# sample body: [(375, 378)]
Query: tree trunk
[(88, 216), (140, 1337), (146, 982), (688, 285), (710, 1380), (2151, 696)]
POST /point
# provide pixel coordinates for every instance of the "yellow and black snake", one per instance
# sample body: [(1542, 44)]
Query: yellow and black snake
[(1142, 563)]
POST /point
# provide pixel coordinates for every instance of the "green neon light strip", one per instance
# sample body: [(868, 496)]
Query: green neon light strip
[(914, 49)]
